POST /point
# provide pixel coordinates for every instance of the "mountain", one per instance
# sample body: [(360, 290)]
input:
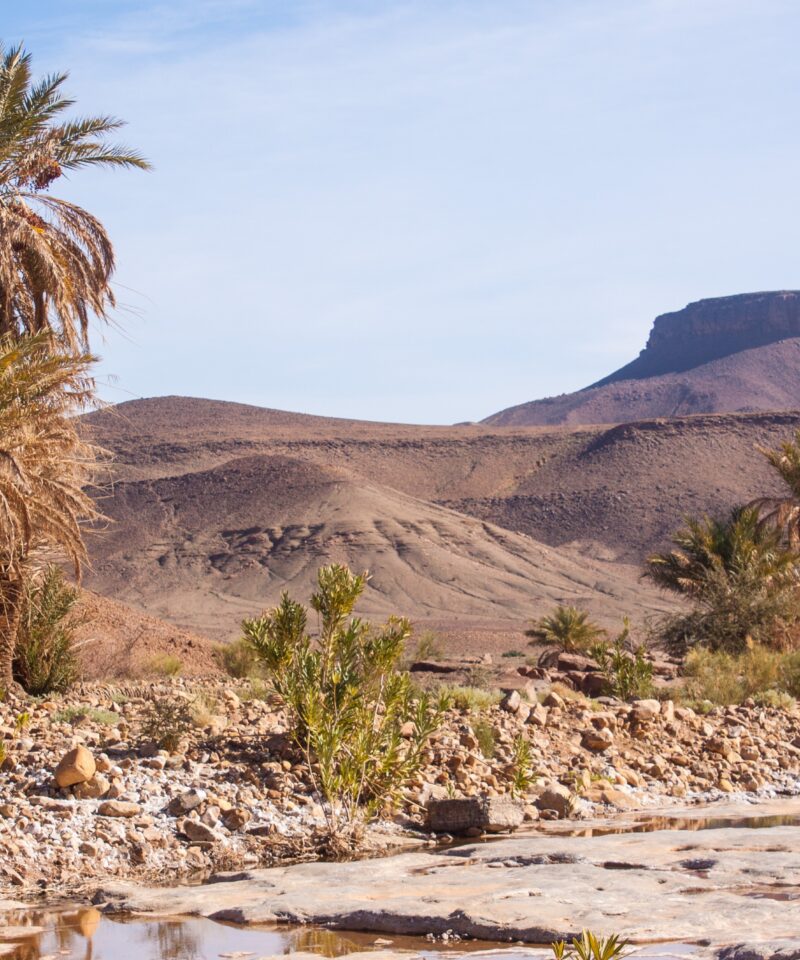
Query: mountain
[(727, 354), (207, 548), (216, 506)]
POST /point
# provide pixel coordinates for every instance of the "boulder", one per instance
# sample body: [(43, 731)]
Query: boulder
[(643, 711), (76, 766), (556, 798), (597, 740), (511, 701), (119, 808), (490, 814), (198, 832)]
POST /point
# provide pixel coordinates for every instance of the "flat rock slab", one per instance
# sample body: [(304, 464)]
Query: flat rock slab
[(719, 886)]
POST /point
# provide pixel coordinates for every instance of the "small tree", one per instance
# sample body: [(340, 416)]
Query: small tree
[(566, 627), (347, 699)]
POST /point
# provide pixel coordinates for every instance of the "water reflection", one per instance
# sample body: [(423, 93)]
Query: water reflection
[(651, 824)]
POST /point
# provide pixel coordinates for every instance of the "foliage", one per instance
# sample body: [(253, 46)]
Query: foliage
[(625, 667), (513, 653), (164, 665), (45, 467), (347, 699), (566, 627), (77, 714), (44, 658), (723, 678), (783, 513), (56, 259), (590, 947), (238, 659), (167, 722), (429, 646), (7, 747), (520, 771), (740, 578), (486, 737), (471, 699)]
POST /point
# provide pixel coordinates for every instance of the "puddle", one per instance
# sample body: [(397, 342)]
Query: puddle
[(83, 933)]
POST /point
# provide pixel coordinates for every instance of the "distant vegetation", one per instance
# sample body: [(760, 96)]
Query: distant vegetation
[(56, 263), (566, 627)]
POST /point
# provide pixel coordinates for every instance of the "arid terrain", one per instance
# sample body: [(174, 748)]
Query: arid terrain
[(722, 355)]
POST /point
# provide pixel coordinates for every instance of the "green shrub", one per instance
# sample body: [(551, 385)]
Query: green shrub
[(520, 771), (566, 627), (513, 653), (590, 947), (472, 699), (45, 660), (164, 665), (238, 659), (723, 678), (626, 669), (77, 714), (167, 722), (429, 646), (486, 737), (346, 697)]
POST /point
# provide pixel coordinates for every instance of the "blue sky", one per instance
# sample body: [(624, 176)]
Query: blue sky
[(425, 210)]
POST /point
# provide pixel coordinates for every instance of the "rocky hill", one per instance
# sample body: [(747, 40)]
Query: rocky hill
[(472, 528), (728, 354)]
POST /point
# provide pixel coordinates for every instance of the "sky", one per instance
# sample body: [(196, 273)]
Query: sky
[(423, 210)]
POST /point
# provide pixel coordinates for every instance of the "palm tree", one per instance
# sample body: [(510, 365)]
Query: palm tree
[(783, 513), (567, 627), (738, 573), (56, 259), (44, 468)]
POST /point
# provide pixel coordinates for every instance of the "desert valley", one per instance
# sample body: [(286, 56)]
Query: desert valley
[(279, 683)]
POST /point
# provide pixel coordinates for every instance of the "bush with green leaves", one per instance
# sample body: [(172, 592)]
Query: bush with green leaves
[(627, 671), (741, 579), (590, 947), (45, 659), (720, 677), (348, 701), (520, 771), (566, 627)]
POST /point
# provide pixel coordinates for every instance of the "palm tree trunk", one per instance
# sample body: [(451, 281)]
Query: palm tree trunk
[(10, 610)]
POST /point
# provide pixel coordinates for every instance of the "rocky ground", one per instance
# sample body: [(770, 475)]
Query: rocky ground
[(85, 793)]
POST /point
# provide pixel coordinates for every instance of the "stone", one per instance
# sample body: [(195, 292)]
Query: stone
[(556, 798), (492, 814), (198, 832), (119, 808), (76, 766), (92, 789), (597, 740), (538, 715), (511, 701), (236, 818), (186, 802), (644, 711)]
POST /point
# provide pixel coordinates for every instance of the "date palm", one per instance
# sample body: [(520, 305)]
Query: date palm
[(44, 468), (567, 627), (56, 259), (783, 513)]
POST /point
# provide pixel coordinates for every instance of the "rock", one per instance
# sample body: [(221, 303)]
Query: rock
[(76, 766), (511, 701), (186, 802), (119, 808), (236, 818), (198, 832), (643, 711), (597, 740), (538, 715), (556, 798), (92, 789), (554, 700), (492, 814)]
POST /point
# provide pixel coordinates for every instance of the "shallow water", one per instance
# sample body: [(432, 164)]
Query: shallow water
[(83, 933)]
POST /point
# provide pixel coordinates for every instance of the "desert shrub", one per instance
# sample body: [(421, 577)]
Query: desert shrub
[(238, 659), (45, 658), (590, 947), (167, 722), (520, 771), (77, 714), (347, 699), (513, 653), (486, 737), (624, 665), (471, 699), (21, 722), (164, 665), (566, 627), (429, 646), (740, 578), (722, 678)]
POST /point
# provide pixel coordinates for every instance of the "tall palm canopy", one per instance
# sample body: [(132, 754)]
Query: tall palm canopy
[(56, 259), (44, 466), (783, 513)]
